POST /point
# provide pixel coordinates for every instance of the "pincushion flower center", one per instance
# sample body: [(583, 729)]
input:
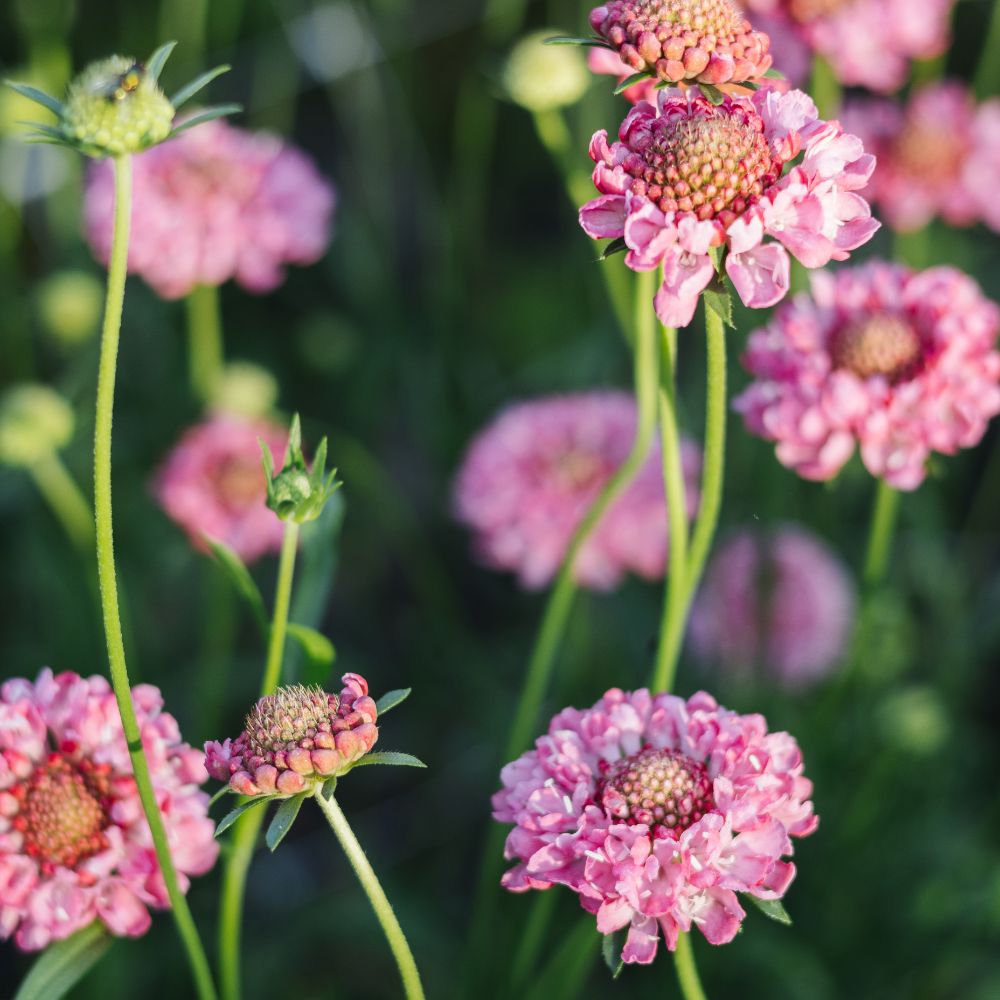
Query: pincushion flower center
[(579, 469), (289, 719), (714, 163), (718, 19), (240, 483), (664, 789), (883, 345), (62, 814), (923, 150), (805, 11)]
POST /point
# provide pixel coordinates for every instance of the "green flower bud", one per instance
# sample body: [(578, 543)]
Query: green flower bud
[(34, 422), (543, 77), (245, 390), (298, 493), (914, 720), (69, 304)]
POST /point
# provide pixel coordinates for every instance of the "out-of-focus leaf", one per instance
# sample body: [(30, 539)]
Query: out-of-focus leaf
[(611, 949), (393, 757), (596, 43), (231, 817), (38, 96), (631, 81), (241, 579), (156, 62), (617, 245), (64, 963), (198, 83), (208, 115), (712, 94)]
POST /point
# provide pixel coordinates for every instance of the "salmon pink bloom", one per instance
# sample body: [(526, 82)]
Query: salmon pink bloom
[(74, 843), (901, 363), (529, 478), (779, 602), (213, 204), (213, 484), (657, 812), (686, 177)]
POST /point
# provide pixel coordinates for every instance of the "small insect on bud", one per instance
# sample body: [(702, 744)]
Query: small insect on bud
[(298, 493)]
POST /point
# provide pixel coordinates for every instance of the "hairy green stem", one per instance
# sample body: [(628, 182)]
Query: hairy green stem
[(108, 582), (206, 354), (282, 601), (883, 526), (687, 971), (66, 499), (376, 896)]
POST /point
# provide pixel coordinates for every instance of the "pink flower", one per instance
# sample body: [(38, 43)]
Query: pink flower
[(531, 475), (868, 43), (901, 363), (922, 174), (297, 737), (606, 61), (216, 203), (656, 811), (710, 41), (779, 601), (74, 843), (213, 484), (687, 176)]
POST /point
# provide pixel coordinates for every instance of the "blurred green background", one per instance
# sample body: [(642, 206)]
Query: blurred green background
[(457, 281)]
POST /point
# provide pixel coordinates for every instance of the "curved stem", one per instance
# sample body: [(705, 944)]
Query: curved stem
[(883, 525), (376, 896), (64, 496), (282, 601), (109, 584), (205, 350), (687, 971)]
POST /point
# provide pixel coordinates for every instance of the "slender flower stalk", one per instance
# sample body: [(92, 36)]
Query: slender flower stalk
[(70, 507), (376, 896), (108, 582), (883, 526), (206, 354), (687, 971), (282, 600), (824, 88)]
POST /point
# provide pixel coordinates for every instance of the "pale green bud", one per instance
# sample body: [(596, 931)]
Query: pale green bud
[(914, 720), (543, 77), (34, 422), (69, 304), (244, 390), (298, 493)]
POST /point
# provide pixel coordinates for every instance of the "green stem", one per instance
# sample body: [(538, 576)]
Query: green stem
[(282, 601), (883, 525), (64, 496), (542, 908), (376, 896), (687, 971), (987, 79), (206, 354), (824, 88), (109, 584)]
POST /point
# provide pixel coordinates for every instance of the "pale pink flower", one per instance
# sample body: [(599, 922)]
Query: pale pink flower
[(74, 843), (710, 41), (213, 484), (900, 363), (656, 811), (216, 203), (868, 43), (780, 602), (660, 195), (297, 737), (530, 477)]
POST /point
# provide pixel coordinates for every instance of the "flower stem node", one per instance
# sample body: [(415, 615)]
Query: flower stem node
[(298, 493)]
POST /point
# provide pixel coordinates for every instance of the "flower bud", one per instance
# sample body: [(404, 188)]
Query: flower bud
[(34, 422), (298, 493), (914, 720), (69, 304), (244, 390), (543, 77)]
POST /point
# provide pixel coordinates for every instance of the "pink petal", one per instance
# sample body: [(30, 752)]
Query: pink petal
[(760, 276)]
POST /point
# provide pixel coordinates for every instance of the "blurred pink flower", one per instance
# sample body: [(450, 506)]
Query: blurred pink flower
[(779, 601), (899, 362), (216, 203), (657, 811), (605, 61), (869, 43), (212, 483), (531, 475), (683, 40), (296, 737), (74, 843), (656, 196)]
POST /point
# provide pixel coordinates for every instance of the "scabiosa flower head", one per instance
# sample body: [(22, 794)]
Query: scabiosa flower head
[(216, 203), (901, 363), (213, 484), (657, 811), (780, 602), (529, 478), (296, 738), (687, 176), (74, 843), (707, 41)]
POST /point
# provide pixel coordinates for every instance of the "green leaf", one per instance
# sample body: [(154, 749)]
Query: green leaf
[(596, 43), (631, 81), (156, 62), (241, 579), (750, 85), (329, 788), (393, 757), (224, 790), (719, 299), (391, 699), (231, 817), (38, 96), (712, 94), (198, 83), (617, 245), (774, 74), (611, 949), (208, 115), (64, 963), (772, 908), (283, 820), (319, 653)]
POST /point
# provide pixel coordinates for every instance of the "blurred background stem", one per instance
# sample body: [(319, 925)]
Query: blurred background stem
[(883, 526), (70, 507), (687, 971), (824, 88), (206, 354)]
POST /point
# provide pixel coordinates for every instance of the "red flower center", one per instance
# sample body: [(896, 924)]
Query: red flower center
[(289, 719), (922, 151), (878, 345), (664, 789), (714, 162), (62, 811)]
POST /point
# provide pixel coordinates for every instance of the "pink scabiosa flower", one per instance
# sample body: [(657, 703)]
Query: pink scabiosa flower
[(216, 203), (297, 738), (780, 602), (657, 811), (608, 62), (213, 484), (529, 478), (901, 363), (74, 843), (687, 177)]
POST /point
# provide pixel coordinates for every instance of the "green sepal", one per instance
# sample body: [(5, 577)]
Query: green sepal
[(231, 817), (283, 820), (774, 74), (631, 81), (391, 757), (712, 94), (208, 115), (611, 950), (594, 43), (391, 699), (36, 95), (64, 963), (772, 908), (617, 245), (719, 299), (198, 83), (329, 788), (156, 62)]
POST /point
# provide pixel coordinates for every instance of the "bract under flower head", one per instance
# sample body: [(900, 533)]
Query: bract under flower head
[(656, 811), (687, 175), (901, 363), (74, 843)]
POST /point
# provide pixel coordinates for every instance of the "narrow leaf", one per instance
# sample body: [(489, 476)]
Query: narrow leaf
[(774, 74), (241, 579), (283, 820), (329, 788), (393, 757), (617, 245), (231, 817), (209, 114), (772, 908), (391, 699), (719, 299), (631, 81), (156, 62), (611, 949), (318, 650), (198, 83), (596, 43), (64, 963), (224, 790), (750, 85), (712, 94), (38, 96)]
